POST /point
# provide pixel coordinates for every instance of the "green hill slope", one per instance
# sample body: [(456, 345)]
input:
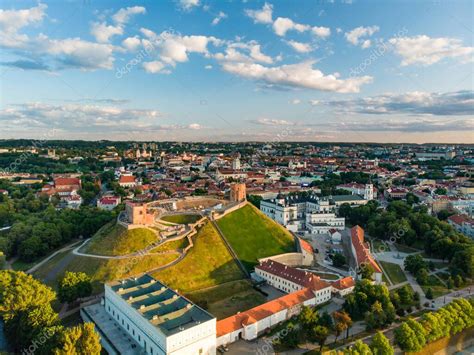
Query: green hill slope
[(113, 240), (253, 235)]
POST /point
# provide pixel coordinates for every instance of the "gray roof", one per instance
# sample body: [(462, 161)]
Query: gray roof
[(161, 306)]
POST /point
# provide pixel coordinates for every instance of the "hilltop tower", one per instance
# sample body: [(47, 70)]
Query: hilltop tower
[(369, 192)]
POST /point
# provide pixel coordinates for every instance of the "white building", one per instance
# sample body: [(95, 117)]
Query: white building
[(322, 223), (156, 318), (367, 191), (361, 253), (463, 224), (108, 202)]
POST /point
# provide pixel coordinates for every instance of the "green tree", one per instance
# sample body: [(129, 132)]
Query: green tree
[(74, 285), (320, 334), (380, 345), (359, 348), (422, 276), (338, 260), (342, 322), (406, 338), (79, 340), (308, 319), (429, 293)]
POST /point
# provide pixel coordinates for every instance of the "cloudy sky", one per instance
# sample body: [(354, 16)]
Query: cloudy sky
[(339, 70)]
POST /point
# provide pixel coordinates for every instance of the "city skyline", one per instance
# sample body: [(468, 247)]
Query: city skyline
[(194, 70)]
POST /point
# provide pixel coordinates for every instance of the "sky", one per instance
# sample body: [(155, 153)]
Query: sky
[(198, 70)]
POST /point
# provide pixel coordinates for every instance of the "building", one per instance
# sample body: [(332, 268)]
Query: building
[(396, 193), (367, 191), (226, 175), (236, 164), (289, 279), (108, 202), (344, 286), (463, 224), (138, 214), (435, 155), (361, 253), (336, 236), (127, 181), (250, 324), (66, 186), (155, 319), (322, 223), (238, 192)]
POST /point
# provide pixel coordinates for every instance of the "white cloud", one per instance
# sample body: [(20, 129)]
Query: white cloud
[(322, 32), (131, 43), (208, 67), (195, 126), (426, 51), (296, 101), (301, 75), (235, 53), (220, 16), (153, 67), (261, 16), (300, 47), (357, 34), (188, 5), (270, 122), (123, 15), (314, 102), (284, 24), (103, 32), (415, 103)]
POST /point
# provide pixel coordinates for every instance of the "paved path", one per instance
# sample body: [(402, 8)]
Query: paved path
[(44, 261)]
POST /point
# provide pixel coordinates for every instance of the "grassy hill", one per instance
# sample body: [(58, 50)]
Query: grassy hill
[(253, 235), (207, 264), (113, 239)]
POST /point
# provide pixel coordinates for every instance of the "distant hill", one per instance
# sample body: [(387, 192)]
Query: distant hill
[(253, 235)]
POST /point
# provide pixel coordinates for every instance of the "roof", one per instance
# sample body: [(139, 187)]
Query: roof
[(66, 181), (344, 283), (363, 254), (164, 308), (306, 246), (109, 200), (127, 178), (299, 277), (459, 219), (237, 321), (339, 198)]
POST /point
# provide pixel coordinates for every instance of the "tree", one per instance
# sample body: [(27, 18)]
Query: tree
[(450, 282), (290, 338), (359, 348), (79, 340), (376, 317), (380, 345), (429, 293), (413, 263), (422, 276), (406, 338), (458, 281), (320, 334), (342, 322), (74, 285), (338, 260), (308, 319), (366, 271), (326, 320)]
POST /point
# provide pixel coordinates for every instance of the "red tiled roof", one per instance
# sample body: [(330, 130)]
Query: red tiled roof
[(66, 181), (362, 249), (306, 246), (344, 283), (459, 219), (127, 179), (109, 200), (299, 277), (237, 321)]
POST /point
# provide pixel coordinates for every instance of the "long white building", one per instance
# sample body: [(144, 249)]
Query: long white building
[(156, 319)]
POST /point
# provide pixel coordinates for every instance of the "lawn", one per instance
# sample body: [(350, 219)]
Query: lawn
[(227, 299), (405, 249), (113, 239), (436, 286), (182, 218), (102, 270), (207, 264), (253, 235), (326, 276), (394, 271), (173, 245)]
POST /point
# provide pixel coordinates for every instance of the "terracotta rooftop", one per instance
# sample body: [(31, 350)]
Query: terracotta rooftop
[(363, 254), (127, 179), (306, 246), (299, 277), (344, 283), (237, 321), (460, 219), (66, 181)]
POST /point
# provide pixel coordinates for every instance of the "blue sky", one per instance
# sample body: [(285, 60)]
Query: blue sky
[(397, 71)]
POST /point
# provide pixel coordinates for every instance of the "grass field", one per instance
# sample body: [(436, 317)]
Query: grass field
[(405, 249), (182, 218), (436, 286), (174, 245), (253, 235), (102, 270), (113, 239), (395, 273), (326, 276), (207, 264), (227, 299)]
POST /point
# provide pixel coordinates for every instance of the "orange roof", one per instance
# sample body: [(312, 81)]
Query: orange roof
[(363, 254), (66, 181), (306, 246), (344, 283), (237, 321), (127, 179)]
